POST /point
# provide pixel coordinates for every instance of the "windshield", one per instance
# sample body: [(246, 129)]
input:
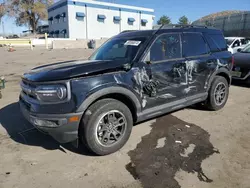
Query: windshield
[(119, 49), (229, 41), (246, 49)]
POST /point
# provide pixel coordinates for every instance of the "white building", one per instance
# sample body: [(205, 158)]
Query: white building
[(88, 19)]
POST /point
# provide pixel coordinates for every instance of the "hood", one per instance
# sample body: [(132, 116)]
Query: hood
[(242, 60), (72, 69)]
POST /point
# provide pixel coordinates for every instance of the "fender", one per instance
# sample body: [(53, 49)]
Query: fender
[(109, 90), (219, 71)]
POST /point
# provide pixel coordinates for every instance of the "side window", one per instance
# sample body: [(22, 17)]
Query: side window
[(216, 42), (166, 47), (193, 44), (236, 43), (244, 41)]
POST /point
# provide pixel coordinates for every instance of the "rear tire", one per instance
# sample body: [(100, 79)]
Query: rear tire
[(218, 94), (106, 126)]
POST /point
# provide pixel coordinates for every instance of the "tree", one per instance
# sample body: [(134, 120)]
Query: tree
[(2, 11), (29, 12), (164, 20), (183, 20)]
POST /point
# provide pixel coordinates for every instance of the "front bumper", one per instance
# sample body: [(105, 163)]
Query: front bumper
[(66, 131)]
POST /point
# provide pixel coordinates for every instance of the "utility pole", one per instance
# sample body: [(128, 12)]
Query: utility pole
[(3, 28)]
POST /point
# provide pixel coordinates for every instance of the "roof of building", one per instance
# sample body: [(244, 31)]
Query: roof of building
[(103, 4)]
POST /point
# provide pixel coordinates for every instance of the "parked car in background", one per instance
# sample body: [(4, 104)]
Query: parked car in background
[(235, 43), (134, 76), (12, 37), (241, 69)]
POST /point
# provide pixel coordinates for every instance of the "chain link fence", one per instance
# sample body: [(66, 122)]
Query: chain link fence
[(237, 24)]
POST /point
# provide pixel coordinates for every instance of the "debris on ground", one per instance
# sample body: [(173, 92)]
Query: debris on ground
[(178, 141)]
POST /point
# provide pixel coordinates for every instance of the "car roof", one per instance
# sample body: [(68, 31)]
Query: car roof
[(167, 29)]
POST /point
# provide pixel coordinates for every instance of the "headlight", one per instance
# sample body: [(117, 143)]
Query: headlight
[(51, 93)]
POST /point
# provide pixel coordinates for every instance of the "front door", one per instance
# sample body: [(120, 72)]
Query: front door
[(167, 70)]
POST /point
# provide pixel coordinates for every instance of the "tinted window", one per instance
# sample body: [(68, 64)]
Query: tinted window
[(193, 45), (166, 47), (217, 42), (244, 41)]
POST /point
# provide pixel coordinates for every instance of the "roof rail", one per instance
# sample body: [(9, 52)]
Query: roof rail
[(172, 26), (126, 31)]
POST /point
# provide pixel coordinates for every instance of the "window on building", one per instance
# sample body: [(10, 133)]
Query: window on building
[(131, 21), (101, 18), (144, 22), (64, 33), (117, 19), (50, 20), (63, 17), (167, 46), (57, 18), (56, 34), (197, 43), (51, 34), (80, 16)]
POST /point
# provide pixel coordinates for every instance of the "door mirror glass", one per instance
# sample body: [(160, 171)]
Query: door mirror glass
[(239, 50)]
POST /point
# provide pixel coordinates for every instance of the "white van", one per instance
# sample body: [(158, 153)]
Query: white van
[(235, 43)]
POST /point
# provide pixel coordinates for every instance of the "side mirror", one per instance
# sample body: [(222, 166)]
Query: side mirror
[(239, 50)]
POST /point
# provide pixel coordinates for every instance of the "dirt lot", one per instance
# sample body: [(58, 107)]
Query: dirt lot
[(189, 148)]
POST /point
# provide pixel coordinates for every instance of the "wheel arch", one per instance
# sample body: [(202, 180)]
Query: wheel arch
[(119, 93), (221, 72)]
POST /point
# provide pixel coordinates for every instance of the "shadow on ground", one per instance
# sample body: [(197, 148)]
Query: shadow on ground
[(184, 147), (240, 83), (21, 131)]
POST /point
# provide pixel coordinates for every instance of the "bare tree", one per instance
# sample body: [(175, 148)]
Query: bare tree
[(28, 12)]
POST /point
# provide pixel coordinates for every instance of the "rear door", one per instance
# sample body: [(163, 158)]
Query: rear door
[(199, 62)]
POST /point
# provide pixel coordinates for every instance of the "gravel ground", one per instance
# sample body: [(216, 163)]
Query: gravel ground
[(188, 148)]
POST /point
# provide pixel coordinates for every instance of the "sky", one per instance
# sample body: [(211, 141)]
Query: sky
[(193, 9)]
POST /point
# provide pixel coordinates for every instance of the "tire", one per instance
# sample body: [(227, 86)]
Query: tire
[(90, 126), (212, 103)]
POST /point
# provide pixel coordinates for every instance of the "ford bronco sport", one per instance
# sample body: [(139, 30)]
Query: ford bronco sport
[(134, 76)]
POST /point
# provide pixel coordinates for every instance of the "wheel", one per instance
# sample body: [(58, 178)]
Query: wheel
[(218, 94), (106, 126)]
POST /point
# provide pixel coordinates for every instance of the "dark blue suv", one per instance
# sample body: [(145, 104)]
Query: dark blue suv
[(134, 76)]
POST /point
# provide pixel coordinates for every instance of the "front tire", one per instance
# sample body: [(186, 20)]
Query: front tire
[(218, 94), (106, 126)]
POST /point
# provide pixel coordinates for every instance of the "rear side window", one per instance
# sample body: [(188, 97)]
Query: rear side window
[(193, 45), (216, 42)]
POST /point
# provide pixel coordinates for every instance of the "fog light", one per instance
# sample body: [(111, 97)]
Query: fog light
[(43, 123)]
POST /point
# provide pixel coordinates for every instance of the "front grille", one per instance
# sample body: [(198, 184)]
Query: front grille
[(28, 89)]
